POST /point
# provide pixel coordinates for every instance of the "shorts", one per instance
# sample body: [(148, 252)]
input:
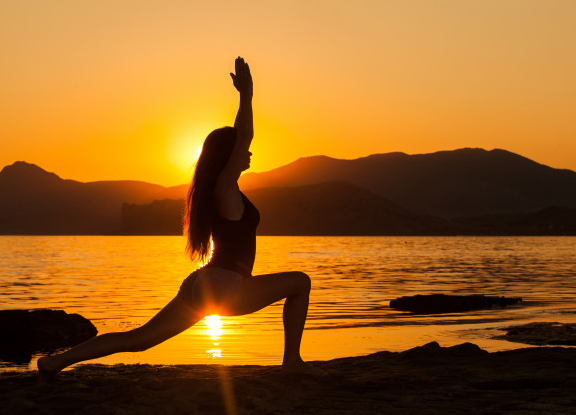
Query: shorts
[(210, 289)]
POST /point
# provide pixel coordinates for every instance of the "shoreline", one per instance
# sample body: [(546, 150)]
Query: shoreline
[(487, 333), (428, 379)]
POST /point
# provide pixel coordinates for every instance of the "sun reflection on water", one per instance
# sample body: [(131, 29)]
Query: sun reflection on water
[(215, 331)]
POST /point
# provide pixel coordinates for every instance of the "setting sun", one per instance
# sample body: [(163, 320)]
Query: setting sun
[(184, 149)]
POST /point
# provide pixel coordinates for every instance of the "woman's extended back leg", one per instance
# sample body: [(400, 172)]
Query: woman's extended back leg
[(174, 318)]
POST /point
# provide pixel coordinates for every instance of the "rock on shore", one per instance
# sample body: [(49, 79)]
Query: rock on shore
[(25, 332), (541, 334)]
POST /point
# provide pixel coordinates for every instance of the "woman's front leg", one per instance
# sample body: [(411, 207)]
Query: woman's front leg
[(262, 290)]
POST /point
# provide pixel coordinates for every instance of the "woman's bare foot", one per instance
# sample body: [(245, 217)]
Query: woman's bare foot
[(301, 367), (47, 369)]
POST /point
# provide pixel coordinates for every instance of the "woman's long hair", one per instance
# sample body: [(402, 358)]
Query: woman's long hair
[(215, 154)]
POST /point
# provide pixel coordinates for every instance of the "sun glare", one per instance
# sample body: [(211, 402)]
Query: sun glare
[(214, 324), (215, 331), (184, 149)]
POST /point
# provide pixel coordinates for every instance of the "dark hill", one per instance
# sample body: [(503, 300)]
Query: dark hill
[(161, 217), (553, 220), (36, 202), (338, 208), (21, 175), (448, 183)]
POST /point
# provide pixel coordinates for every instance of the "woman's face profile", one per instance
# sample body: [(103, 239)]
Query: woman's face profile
[(247, 160)]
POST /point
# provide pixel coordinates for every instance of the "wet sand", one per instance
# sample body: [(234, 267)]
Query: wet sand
[(425, 380)]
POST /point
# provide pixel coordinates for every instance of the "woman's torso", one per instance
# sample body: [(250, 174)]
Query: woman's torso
[(235, 240)]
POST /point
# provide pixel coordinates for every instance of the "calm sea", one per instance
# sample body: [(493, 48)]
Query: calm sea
[(119, 282)]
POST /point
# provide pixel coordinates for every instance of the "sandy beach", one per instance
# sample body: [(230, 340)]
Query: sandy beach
[(430, 379)]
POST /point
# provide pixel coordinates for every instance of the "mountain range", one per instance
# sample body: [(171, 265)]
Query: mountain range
[(466, 191), (448, 184)]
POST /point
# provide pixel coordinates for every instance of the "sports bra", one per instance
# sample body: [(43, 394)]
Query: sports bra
[(235, 240)]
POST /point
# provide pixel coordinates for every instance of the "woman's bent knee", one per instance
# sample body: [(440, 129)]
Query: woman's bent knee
[(303, 280)]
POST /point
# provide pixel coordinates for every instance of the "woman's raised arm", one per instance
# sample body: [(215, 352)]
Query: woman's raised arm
[(227, 196), (244, 123)]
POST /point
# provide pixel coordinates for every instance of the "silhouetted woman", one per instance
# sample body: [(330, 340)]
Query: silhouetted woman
[(216, 212)]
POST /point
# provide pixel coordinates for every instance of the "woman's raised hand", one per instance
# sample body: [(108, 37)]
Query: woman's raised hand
[(242, 79)]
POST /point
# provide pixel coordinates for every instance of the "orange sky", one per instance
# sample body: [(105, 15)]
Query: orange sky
[(128, 89)]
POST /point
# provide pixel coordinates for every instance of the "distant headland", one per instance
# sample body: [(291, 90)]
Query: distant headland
[(460, 192)]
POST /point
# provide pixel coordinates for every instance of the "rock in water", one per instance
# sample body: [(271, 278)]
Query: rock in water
[(442, 303), (25, 332)]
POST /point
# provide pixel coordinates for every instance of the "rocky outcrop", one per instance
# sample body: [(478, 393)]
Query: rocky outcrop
[(442, 303), (25, 332), (541, 334)]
